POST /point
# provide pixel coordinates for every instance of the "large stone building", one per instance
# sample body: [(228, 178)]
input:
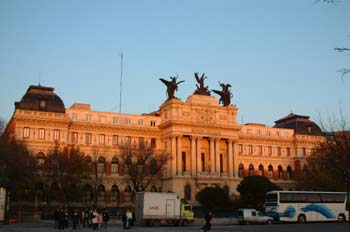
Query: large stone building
[(209, 147)]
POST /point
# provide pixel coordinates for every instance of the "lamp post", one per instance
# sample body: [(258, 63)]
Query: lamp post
[(347, 185)]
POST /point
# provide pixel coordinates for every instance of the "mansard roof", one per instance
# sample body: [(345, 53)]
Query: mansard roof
[(41, 98), (301, 124)]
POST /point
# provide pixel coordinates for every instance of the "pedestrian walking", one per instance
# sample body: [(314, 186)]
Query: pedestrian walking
[(94, 219), (105, 218), (207, 225), (129, 218), (75, 219), (124, 220)]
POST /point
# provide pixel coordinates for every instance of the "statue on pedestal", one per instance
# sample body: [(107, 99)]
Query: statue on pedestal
[(171, 86), (201, 89), (225, 94)]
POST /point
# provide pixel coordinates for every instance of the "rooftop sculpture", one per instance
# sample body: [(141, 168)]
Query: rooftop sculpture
[(201, 88), (225, 94), (171, 86)]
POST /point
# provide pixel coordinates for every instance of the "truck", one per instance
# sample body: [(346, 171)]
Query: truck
[(155, 208), (252, 216)]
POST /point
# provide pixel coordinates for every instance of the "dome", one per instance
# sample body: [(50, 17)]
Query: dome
[(301, 124), (40, 98)]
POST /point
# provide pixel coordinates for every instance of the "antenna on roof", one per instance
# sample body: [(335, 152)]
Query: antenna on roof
[(291, 109), (121, 81), (39, 75)]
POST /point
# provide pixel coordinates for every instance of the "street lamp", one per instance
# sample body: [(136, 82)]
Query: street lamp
[(347, 185)]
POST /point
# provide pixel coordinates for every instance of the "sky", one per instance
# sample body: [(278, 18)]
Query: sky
[(278, 55)]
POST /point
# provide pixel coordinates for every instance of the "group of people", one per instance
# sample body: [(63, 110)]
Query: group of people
[(93, 218)]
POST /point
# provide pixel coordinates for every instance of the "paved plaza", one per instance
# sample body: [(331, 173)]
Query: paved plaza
[(319, 227)]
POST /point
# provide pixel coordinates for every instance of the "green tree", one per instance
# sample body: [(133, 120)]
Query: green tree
[(214, 199), (252, 191)]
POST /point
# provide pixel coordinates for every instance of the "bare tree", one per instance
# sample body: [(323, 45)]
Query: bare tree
[(68, 170), (142, 164), (330, 160)]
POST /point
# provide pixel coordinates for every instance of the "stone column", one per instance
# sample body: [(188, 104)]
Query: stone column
[(212, 155), (199, 156), (217, 155), (173, 156), (179, 156), (193, 156), (230, 158), (235, 159)]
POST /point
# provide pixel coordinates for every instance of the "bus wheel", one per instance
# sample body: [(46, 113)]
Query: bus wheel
[(341, 218), (302, 219)]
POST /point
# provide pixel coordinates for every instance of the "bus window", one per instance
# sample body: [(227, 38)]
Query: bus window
[(332, 198)]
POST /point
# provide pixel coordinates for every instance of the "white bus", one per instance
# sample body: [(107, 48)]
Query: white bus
[(302, 206)]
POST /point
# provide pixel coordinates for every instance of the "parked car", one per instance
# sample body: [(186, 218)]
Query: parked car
[(252, 216)]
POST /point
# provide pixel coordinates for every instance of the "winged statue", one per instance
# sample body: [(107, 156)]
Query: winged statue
[(171, 85)]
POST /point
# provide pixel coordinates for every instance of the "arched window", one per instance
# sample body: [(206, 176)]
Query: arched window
[(39, 189), (40, 159), (87, 190), (101, 165), (241, 171), (261, 170), (54, 191), (188, 192), (270, 171), (221, 163), (114, 193), (153, 189), (153, 166), (115, 166), (127, 193), (101, 193), (251, 170), (289, 173), (280, 172)]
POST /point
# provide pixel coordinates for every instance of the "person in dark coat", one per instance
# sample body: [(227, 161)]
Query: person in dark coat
[(105, 218), (124, 220), (207, 218)]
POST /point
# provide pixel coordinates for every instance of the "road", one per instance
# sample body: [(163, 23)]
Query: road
[(309, 227)]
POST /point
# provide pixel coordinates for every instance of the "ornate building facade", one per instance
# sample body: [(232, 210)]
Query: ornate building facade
[(207, 144)]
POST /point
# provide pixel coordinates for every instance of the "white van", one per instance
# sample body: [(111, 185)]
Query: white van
[(252, 216)]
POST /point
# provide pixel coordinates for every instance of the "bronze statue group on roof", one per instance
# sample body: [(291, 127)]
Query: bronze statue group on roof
[(225, 93)]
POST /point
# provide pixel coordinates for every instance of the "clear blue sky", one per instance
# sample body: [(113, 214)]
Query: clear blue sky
[(277, 55)]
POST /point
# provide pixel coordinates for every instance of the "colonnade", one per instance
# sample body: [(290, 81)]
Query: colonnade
[(197, 155)]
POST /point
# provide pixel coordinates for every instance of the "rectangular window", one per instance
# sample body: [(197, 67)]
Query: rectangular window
[(277, 134), (269, 150), (74, 116), (240, 148), (101, 139), (249, 131), (115, 120), (153, 123), (141, 140), (140, 122), (56, 135), (43, 105), (115, 140), (88, 138), (153, 143), (288, 152), (127, 140), (279, 151), (26, 132), (303, 151), (88, 117), (259, 132), (74, 137), (102, 119), (260, 150), (268, 133), (41, 133), (250, 148), (183, 159)]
